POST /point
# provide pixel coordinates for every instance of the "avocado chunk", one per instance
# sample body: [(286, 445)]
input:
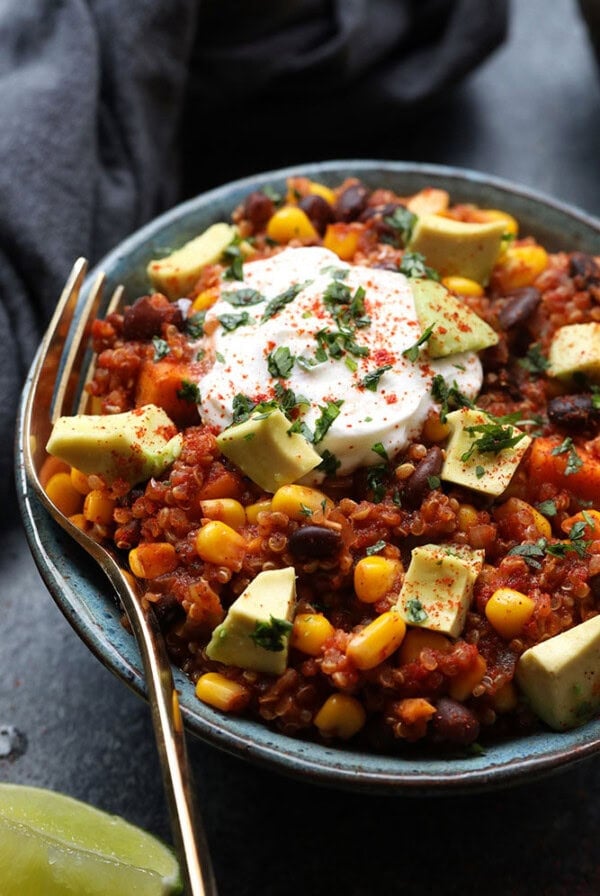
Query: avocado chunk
[(267, 452), (454, 327), (255, 633), (133, 446), (575, 349), (467, 464), (561, 676), (458, 248), (176, 274), (438, 587)]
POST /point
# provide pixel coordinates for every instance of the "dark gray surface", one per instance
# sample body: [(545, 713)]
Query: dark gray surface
[(531, 114)]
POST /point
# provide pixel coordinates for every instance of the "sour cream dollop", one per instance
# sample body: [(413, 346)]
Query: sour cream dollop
[(383, 397)]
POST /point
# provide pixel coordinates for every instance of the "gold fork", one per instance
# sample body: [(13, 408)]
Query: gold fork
[(55, 390)]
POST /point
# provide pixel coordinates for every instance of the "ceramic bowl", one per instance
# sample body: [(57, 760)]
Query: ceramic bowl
[(84, 596)]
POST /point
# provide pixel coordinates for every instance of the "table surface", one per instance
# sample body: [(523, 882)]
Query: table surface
[(530, 114)]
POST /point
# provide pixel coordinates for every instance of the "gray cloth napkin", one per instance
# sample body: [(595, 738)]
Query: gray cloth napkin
[(111, 111)]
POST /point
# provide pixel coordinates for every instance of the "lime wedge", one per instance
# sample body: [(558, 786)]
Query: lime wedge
[(54, 845)]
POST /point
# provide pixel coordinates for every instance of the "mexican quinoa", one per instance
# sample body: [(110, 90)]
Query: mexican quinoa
[(349, 446)]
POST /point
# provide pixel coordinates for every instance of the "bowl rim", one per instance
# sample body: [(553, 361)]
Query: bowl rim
[(65, 571)]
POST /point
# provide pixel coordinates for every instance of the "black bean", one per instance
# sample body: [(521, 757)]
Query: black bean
[(318, 210), (573, 410), (258, 208), (351, 203), (584, 270), (314, 542), (417, 485), (454, 723), (519, 306), (376, 215), (144, 319)]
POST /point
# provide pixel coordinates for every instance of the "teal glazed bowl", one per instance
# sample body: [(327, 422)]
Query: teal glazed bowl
[(83, 594)]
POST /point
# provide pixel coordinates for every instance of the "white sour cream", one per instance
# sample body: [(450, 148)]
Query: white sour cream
[(390, 415)]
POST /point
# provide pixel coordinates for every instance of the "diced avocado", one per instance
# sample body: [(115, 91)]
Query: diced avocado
[(483, 471), (132, 446), (575, 349), (267, 452), (455, 328), (176, 274), (561, 676), (458, 248), (255, 633), (438, 587)]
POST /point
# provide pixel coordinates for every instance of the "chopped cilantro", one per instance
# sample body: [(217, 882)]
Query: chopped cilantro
[(434, 482), (189, 392), (494, 438), (548, 508), (329, 463), (534, 361), (371, 380), (532, 554), (274, 195), (402, 221), (350, 363), (161, 348), (449, 397), (380, 450), (304, 510), (337, 293), (479, 471), (283, 299), (413, 265), (375, 548), (271, 635), (574, 462), (329, 412), (415, 612), (280, 362), (376, 481), (241, 297), (219, 357), (231, 322), (233, 254), (335, 272), (412, 353), (194, 325), (301, 427)]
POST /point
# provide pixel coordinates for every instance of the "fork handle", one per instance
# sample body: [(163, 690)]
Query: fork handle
[(188, 833)]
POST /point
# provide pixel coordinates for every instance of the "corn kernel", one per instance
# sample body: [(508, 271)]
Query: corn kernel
[(310, 632), (374, 577), (216, 542), (341, 239), (80, 521), (467, 516), (228, 510), (495, 214), (50, 466), (80, 481), (205, 299), (434, 430), (520, 266), (340, 716), (462, 685), (152, 559), (506, 698), (288, 223), (299, 502), (252, 510), (98, 507), (463, 286), (221, 692), (592, 521), (418, 639), (508, 611), (377, 641), (321, 190), (63, 493)]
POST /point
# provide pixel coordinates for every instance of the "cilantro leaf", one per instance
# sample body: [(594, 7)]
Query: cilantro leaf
[(415, 612), (161, 348), (194, 325), (494, 438), (329, 463), (271, 635), (402, 222), (412, 353), (231, 322), (413, 265), (280, 362), (189, 392), (574, 462), (375, 548), (371, 380), (241, 297), (329, 412), (449, 397), (280, 301), (534, 361)]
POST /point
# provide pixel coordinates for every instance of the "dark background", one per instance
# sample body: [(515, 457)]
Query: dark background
[(530, 114)]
